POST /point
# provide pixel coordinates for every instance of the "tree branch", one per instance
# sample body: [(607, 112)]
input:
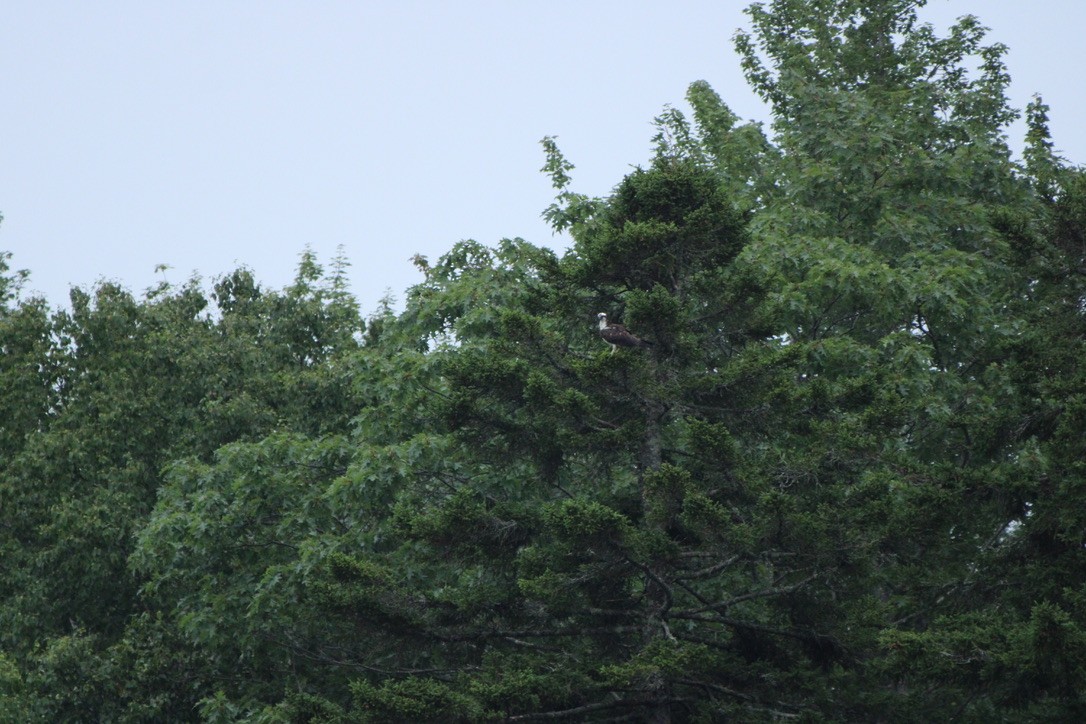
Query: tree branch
[(707, 571), (767, 593)]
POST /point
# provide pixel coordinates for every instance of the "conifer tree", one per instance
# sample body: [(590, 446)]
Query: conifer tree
[(842, 483)]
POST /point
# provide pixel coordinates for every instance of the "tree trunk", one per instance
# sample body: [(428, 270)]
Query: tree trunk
[(657, 597)]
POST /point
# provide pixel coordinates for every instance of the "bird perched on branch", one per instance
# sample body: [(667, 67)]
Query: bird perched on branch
[(617, 335)]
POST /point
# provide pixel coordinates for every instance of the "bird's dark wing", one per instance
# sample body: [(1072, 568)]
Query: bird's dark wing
[(619, 335)]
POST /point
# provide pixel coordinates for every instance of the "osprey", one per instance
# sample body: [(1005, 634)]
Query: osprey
[(617, 335)]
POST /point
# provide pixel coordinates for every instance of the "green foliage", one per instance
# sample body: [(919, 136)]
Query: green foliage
[(362, 588), (666, 226), (570, 210), (414, 700), (15, 704), (844, 483), (103, 397), (584, 521)]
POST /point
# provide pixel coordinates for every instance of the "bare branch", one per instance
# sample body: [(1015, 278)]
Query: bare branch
[(767, 593), (708, 571)]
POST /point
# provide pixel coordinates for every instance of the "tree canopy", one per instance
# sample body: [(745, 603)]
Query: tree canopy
[(845, 483)]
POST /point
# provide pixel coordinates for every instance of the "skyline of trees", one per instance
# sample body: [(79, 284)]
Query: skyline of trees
[(845, 483)]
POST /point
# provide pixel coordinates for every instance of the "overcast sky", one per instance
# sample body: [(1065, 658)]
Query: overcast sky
[(206, 135)]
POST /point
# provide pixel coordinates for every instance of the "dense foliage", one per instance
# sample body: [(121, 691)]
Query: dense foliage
[(844, 483)]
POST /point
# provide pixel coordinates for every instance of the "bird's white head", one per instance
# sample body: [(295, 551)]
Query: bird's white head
[(602, 317)]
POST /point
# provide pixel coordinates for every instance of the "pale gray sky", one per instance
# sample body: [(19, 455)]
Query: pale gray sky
[(205, 134)]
